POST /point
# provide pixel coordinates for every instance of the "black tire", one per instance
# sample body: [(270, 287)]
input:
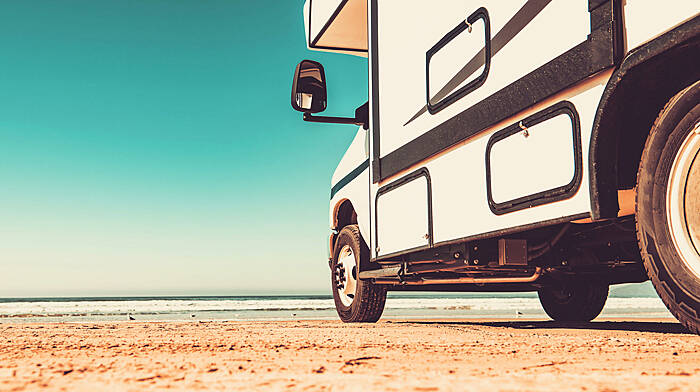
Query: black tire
[(369, 298), (676, 284), (577, 302)]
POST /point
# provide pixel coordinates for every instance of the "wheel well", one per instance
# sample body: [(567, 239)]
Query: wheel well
[(634, 96), (344, 215), (650, 87)]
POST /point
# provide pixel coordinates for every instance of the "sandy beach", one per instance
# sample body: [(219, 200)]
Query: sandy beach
[(398, 355)]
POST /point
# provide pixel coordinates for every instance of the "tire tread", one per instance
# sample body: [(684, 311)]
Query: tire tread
[(667, 295)]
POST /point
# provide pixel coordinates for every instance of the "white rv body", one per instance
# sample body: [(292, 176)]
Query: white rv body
[(458, 174), (515, 145)]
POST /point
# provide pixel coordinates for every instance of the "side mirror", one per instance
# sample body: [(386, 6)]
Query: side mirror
[(309, 87)]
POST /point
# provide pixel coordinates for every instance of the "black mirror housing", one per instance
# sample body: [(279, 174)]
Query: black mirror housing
[(309, 87)]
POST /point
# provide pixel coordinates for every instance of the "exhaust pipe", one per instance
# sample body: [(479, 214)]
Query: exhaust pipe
[(424, 281)]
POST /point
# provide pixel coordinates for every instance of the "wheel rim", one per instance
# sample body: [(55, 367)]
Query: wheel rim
[(346, 275), (682, 201)]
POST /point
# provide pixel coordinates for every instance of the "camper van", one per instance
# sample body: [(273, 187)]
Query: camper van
[(527, 145)]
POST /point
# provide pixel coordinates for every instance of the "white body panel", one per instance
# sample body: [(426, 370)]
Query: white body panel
[(645, 20), (357, 153)]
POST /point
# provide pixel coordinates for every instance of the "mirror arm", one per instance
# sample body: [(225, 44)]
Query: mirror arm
[(333, 120)]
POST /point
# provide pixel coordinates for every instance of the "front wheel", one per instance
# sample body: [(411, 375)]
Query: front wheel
[(355, 300), (574, 302)]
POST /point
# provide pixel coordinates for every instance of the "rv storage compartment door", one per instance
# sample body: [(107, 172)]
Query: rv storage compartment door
[(403, 214), (535, 161)]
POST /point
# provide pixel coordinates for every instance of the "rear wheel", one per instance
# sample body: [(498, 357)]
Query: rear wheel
[(355, 300), (668, 206), (574, 302)]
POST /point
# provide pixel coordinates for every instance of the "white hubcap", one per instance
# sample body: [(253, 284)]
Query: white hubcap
[(683, 201), (346, 275)]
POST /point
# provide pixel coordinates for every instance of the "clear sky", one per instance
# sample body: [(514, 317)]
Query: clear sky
[(149, 147)]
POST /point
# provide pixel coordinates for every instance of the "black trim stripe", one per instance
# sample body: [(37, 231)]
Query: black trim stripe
[(349, 177), (374, 72)]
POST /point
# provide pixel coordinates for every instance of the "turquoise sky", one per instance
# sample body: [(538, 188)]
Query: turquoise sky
[(149, 147)]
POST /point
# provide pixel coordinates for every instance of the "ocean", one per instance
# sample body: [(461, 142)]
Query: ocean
[(632, 300)]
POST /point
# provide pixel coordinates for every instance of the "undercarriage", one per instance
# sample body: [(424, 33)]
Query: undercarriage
[(602, 252)]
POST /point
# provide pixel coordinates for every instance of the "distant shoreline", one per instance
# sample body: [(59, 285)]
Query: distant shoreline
[(472, 306)]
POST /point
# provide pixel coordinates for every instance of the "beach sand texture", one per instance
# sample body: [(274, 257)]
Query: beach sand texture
[(328, 355)]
